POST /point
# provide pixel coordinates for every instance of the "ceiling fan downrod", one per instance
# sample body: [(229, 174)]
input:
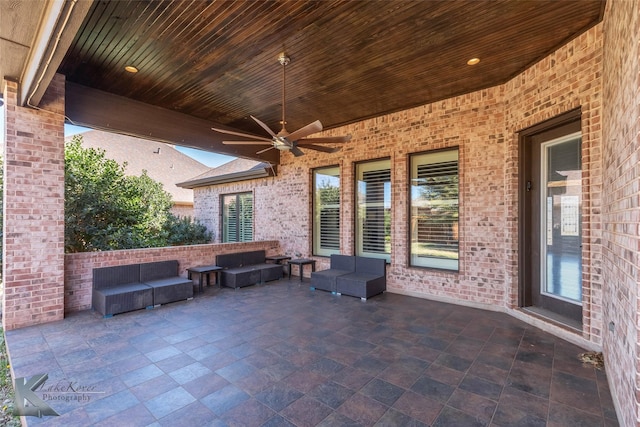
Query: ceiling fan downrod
[(285, 141), (284, 60)]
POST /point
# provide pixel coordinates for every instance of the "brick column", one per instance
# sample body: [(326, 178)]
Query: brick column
[(33, 205)]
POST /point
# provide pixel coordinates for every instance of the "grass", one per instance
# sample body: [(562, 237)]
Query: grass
[(428, 250), (7, 396)]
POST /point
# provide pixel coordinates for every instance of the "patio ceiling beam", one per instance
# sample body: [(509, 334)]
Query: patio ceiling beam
[(58, 25), (112, 113)]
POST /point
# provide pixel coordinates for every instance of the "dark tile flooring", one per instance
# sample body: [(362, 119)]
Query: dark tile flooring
[(282, 355)]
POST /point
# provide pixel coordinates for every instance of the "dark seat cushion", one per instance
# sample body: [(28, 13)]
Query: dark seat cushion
[(122, 298), (171, 289), (363, 285), (246, 268), (106, 277), (253, 257), (240, 259), (229, 260), (342, 262), (241, 276), (339, 265), (326, 279), (375, 266), (270, 272), (150, 271)]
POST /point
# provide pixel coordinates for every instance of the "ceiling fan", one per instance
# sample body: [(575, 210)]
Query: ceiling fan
[(283, 140)]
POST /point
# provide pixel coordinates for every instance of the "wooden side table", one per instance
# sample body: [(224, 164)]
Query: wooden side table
[(301, 262), (205, 270)]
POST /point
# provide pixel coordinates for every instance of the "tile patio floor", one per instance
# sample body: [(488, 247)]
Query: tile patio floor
[(282, 355)]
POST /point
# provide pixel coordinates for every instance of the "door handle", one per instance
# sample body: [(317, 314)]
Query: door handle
[(529, 186)]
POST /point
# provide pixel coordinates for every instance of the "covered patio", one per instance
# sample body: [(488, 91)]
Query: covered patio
[(393, 75), (283, 355)]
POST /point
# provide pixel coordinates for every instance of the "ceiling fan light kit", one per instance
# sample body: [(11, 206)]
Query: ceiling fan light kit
[(283, 140)]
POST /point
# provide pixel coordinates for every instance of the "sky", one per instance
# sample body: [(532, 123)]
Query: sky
[(205, 157)]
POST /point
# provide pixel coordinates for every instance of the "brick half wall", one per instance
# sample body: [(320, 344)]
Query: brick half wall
[(78, 267)]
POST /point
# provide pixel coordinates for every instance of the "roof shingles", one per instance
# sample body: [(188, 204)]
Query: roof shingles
[(162, 162)]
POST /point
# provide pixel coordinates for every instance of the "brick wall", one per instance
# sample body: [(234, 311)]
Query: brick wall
[(621, 209), (33, 238), (182, 210), (78, 267), (569, 78), (484, 126)]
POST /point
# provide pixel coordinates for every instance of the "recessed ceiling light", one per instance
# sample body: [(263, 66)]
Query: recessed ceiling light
[(131, 69), (473, 61)]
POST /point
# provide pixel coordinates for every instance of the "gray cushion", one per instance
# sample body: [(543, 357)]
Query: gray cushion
[(361, 285), (241, 276), (171, 289), (370, 265), (343, 262), (229, 260), (123, 298), (326, 279), (158, 270), (253, 257), (106, 277)]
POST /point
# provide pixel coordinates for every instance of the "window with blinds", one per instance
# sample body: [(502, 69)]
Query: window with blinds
[(434, 210), (326, 211), (237, 217), (373, 221)]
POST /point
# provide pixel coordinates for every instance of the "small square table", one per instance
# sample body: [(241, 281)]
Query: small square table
[(278, 259), (301, 262), (203, 270)]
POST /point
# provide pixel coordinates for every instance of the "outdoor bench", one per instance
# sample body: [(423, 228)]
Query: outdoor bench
[(123, 288), (247, 268), (356, 276)]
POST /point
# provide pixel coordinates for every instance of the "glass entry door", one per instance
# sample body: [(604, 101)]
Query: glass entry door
[(551, 223), (561, 231)]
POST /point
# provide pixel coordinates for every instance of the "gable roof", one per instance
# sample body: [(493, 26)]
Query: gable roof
[(162, 162), (236, 170)]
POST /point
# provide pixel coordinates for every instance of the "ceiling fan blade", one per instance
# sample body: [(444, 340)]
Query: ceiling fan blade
[(326, 139), (296, 151), (305, 131), (244, 135), (264, 126), (320, 148), (266, 149), (261, 142)]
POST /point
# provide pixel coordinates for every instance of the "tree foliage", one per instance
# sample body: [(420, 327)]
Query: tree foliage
[(107, 210)]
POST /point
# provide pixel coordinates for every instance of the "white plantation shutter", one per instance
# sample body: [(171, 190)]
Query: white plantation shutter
[(374, 209), (326, 211), (434, 210)]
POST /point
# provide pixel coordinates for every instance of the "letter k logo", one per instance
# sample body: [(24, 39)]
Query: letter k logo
[(24, 394)]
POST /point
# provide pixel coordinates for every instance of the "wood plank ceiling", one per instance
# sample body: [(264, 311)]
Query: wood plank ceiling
[(350, 60)]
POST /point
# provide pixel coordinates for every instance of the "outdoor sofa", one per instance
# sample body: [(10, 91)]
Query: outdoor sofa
[(356, 276), (247, 268), (123, 288)]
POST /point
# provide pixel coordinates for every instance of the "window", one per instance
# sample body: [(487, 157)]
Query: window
[(237, 217), (326, 211), (434, 210), (373, 218)]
